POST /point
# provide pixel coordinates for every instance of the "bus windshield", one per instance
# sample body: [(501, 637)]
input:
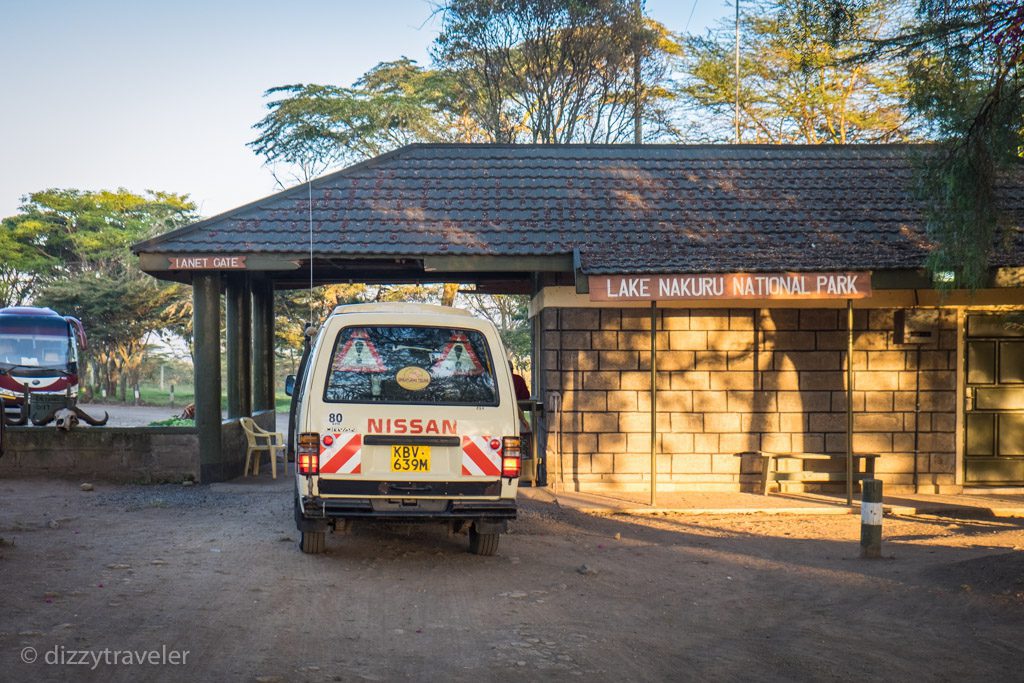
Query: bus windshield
[(35, 350)]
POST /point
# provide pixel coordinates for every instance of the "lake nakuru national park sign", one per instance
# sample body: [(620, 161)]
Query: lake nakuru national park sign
[(192, 262), (845, 285)]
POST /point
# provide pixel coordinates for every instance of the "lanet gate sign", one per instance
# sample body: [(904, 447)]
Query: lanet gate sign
[(845, 285), (194, 262)]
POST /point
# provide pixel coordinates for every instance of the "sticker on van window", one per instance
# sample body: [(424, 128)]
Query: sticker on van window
[(358, 355), (413, 378), (457, 359)]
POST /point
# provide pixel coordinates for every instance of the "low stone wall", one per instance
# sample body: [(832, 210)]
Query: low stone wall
[(119, 454), (123, 454)]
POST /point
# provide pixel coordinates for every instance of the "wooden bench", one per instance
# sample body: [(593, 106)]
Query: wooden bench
[(770, 467)]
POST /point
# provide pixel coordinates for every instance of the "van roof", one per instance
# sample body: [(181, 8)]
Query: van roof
[(400, 308)]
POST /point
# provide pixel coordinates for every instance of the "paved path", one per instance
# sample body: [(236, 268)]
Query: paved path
[(701, 502), (131, 416), (140, 416)]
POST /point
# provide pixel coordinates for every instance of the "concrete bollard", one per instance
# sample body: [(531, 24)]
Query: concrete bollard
[(871, 519)]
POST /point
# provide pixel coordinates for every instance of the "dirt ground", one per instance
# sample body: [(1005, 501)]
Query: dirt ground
[(215, 571)]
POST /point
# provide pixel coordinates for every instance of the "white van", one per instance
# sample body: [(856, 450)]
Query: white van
[(406, 412)]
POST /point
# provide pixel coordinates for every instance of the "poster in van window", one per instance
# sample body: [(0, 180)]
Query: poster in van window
[(411, 365), (457, 359), (358, 355)]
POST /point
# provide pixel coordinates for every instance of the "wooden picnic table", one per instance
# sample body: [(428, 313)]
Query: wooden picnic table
[(770, 467)]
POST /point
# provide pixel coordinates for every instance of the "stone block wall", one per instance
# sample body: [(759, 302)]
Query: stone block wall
[(739, 380), (124, 454), (134, 455)]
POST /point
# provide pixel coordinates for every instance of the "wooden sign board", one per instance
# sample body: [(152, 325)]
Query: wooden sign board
[(845, 285), (206, 262)]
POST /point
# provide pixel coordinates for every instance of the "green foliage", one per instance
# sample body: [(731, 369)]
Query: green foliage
[(966, 85), (70, 251), (511, 315), (505, 71), (796, 84), (558, 71), (63, 233), (173, 422), (314, 127)]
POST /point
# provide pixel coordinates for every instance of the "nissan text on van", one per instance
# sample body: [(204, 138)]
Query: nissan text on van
[(406, 413)]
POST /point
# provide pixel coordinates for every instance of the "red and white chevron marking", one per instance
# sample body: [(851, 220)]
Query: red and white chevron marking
[(344, 456), (478, 458)]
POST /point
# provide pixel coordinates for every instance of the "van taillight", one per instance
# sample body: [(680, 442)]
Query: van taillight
[(308, 455), (309, 463), (510, 457)]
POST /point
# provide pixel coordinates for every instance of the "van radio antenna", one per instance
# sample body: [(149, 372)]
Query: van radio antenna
[(309, 185)]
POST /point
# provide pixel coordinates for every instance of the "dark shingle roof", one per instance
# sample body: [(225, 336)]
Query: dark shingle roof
[(652, 208)]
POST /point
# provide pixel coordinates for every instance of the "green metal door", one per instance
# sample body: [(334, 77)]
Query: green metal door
[(994, 453)]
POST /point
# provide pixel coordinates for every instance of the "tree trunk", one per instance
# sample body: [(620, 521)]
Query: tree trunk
[(451, 289)]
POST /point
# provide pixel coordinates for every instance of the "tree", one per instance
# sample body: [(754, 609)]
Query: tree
[(965, 83), (122, 312), (510, 313), (315, 127), (72, 253), (797, 85), (60, 233), (550, 71), (558, 71)]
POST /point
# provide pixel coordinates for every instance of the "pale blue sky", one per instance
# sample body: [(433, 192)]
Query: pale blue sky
[(100, 94)]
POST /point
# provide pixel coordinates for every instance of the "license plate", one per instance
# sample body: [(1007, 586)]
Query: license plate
[(410, 458)]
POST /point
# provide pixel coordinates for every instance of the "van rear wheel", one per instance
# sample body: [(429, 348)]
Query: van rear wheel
[(482, 544), (313, 542)]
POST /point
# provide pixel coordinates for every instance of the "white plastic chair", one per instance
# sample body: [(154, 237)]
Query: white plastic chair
[(259, 441)]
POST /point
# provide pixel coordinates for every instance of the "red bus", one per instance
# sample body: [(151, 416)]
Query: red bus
[(38, 351)]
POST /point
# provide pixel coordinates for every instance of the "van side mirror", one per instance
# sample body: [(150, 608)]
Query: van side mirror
[(289, 384)]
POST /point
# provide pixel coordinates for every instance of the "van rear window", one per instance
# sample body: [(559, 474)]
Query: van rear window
[(394, 364)]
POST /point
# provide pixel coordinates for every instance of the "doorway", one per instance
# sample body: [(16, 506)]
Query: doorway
[(994, 454)]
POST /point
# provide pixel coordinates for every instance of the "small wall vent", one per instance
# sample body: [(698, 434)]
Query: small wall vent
[(916, 326)]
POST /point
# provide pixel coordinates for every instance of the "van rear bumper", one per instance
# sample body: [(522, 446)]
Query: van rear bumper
[(364, 508), (408, 489)]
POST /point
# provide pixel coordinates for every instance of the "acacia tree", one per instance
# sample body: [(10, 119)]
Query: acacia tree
[(558, 71), (313, 127), (122, 312), (550, 71), (797, 85), (965, 83), (60, 233)]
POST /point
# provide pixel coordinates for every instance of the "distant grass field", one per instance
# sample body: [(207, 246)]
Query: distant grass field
[(151, 395)]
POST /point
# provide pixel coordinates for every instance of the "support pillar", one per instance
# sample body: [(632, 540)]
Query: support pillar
[(206, 340), (263, 345), (849, 401), (654, 403), (238, 326)]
